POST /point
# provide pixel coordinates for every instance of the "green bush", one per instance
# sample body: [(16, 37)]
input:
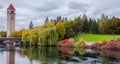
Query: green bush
[(3, 34), (81, 43), (14, 34)]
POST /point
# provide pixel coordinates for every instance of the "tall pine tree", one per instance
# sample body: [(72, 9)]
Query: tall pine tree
[(31, 25), (46, 20), (85, 24)]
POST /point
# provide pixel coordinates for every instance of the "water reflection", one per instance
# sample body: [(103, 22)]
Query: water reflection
[(70, 55), (53, 55), (43, 54), (10, 57)]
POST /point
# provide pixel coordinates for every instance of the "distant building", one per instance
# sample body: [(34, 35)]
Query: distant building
[(10, 19)]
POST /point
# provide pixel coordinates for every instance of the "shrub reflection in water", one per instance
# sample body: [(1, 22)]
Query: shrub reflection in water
[(70, 55)]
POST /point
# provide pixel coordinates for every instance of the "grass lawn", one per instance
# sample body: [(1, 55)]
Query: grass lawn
[(96, 37)]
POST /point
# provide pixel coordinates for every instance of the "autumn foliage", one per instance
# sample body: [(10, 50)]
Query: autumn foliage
[(111, 45), (20, 32), (81, 43), (66, 42), (17, 33), (95, 46), (60, 29)]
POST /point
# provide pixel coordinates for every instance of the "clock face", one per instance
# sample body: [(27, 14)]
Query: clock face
[(10, 12)]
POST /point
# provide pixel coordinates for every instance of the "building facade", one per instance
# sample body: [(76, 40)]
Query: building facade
[(10, 19)]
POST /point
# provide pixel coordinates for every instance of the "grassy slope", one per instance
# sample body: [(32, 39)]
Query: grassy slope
[(96, 38)]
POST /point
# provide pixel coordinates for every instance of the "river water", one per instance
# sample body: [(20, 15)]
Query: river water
[(57, 55)]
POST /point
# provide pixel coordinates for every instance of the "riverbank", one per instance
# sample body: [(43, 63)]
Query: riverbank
[(96, 37)]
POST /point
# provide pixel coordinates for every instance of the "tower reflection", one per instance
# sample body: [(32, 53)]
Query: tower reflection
[(10, 57)]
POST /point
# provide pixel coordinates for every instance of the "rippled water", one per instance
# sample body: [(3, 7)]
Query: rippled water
[(54, 55)]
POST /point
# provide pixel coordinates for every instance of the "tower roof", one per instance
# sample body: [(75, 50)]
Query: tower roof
[(11, 7)]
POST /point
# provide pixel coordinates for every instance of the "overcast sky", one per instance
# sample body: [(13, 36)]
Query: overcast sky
[(37, 10)]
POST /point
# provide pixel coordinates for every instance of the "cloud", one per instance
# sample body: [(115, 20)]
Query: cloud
[(78, 6), (99, 7), (36, 11), (1, 6)]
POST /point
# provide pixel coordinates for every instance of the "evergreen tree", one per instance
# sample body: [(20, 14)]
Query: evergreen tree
[(51, 20), (90, 25), (31, 25), (69, 26), (46, 20), (66, 18), (59, 18), (94, 27), (85, 24), (79, 25)]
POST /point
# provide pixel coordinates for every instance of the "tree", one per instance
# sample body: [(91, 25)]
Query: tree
[(94, 27), (104, 17), (14, 34), (46, 20), (20, 32), (113, 26), (69, 26), (60, 29), (66, 18), (49, 25), (51, 20), (85, 27), (90, 24), (3, 33), (78, 25), (17, 33), (31, 25), (59, 18), (102, 25)]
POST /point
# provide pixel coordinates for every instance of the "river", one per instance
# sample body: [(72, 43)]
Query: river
[(57, 55)]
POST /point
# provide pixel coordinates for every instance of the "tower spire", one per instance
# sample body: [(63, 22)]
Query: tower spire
[(11, 7)]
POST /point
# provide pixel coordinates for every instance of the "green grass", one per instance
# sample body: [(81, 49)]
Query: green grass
[(96, 37)]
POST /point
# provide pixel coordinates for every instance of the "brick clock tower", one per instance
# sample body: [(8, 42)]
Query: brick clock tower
[(10, 19)]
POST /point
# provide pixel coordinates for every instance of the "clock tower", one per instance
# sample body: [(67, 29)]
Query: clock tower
[(10, 19)]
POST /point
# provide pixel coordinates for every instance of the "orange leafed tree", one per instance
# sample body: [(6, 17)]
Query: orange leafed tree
[(20, 32)]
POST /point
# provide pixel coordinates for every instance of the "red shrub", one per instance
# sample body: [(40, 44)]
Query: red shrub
[(112, 45), (95, 46), (68, 42), (104, 42), (118, 45), (64, 41)]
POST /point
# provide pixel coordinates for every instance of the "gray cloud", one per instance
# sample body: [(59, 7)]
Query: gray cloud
[(107, 7), (78, 6), (1, 6), (37, 10)]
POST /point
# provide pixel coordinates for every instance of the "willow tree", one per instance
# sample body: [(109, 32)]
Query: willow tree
[(25, 38), (49, 25), (33, 38), (48, 36)]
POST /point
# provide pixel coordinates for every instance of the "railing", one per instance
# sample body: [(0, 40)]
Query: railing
[(10, 39)]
